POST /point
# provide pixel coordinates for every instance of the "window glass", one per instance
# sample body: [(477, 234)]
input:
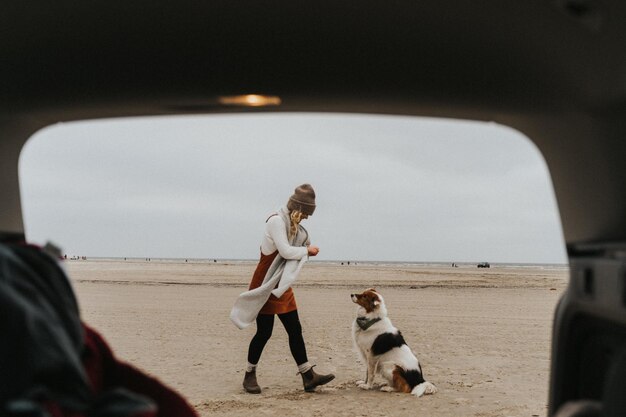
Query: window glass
[(388, 188)]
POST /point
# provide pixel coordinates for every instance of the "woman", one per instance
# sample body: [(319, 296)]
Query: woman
[(283, 234)]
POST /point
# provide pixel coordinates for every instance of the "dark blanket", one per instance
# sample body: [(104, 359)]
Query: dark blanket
[(50, 364)]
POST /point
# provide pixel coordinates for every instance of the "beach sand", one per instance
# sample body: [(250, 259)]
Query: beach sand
[(482, 335)]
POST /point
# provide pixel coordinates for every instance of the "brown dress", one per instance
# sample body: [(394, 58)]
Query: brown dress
[(274, 305)]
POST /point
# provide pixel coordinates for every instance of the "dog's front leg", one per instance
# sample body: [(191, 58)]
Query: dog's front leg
[(371, 372), (363, 357), (360, 382)]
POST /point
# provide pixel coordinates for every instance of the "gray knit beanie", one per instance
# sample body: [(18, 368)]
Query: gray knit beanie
[(303, 199)]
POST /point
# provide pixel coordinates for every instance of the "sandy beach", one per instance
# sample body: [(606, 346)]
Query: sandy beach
[(481, 335)]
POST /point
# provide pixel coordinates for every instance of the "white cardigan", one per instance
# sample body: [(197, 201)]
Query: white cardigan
[(281, 274), (275, 238)]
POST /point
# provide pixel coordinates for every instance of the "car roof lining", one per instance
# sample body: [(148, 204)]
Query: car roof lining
[(553, 70)]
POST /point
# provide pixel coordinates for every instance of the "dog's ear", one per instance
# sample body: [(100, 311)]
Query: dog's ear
[(376, 299), (371, 289)]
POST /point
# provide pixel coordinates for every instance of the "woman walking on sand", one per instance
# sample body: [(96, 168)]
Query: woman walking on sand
[(284, 248)]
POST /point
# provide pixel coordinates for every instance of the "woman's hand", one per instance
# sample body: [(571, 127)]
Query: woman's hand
[(313, 250)]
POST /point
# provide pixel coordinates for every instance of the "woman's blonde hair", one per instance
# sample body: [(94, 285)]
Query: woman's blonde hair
[(296, 217)]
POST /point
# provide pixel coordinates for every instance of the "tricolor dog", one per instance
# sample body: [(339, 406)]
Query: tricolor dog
[(384, 350)]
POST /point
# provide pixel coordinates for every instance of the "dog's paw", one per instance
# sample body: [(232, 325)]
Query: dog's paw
[(359, 382), (364, 386), (387, 388)]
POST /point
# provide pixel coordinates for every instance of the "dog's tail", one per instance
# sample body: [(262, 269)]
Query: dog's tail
[(424, 388), (403, 380)]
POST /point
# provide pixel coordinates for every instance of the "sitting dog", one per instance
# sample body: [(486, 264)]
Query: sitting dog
[(384, 350)]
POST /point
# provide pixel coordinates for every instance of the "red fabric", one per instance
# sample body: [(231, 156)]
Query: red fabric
[(105, 371), (286, 303)]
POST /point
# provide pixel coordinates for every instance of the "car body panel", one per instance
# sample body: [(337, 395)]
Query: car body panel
[(554, 70)]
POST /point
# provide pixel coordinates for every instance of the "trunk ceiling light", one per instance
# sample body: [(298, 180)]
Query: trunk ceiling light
[(249, 100)]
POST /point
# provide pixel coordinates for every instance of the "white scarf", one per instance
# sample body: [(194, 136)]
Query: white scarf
[(281, 274)]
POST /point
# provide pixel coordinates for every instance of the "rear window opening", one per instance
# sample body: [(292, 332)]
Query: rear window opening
[(454, 222)]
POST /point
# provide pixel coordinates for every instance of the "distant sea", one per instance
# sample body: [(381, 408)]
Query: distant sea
[(546, 266)]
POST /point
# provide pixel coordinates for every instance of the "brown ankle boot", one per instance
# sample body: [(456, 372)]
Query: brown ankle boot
[(311, 380), (250, 384)]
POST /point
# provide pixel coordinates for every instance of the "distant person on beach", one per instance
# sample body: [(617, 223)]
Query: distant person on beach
[(287, 242)]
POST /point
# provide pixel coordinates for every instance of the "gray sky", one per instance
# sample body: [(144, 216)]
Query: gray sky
[(388, 188)]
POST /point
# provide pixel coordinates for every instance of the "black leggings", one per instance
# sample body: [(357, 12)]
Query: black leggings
[(264, 326)]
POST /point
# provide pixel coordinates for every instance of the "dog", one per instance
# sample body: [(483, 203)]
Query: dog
[(382, 347)]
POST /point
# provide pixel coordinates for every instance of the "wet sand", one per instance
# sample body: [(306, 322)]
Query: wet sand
[(481, 335)]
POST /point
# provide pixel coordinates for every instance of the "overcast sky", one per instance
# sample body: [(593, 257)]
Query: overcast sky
[(388, 188)]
